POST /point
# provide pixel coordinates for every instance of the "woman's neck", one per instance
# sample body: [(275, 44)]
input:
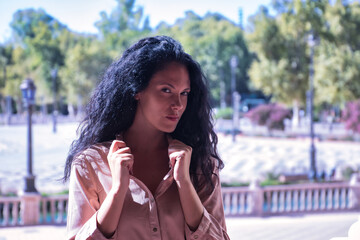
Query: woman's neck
[(145, 141)]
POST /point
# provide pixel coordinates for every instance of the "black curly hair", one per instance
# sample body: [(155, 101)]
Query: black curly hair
[(112, 107)]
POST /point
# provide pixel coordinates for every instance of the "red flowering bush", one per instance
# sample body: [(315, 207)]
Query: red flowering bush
[(270, 115), (351, 116)]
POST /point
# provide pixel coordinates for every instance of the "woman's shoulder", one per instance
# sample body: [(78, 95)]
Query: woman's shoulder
[(95, 152), (90, 166)]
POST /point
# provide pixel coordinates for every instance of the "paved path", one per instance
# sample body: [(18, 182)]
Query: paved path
[(309, 227), (254, 157), (247, 158)]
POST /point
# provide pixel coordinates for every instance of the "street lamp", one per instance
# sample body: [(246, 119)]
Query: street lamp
[(28, 89), (54, 75), (310, 97), (234, 95)]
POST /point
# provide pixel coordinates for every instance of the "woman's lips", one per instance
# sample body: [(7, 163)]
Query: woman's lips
[(173, 118)]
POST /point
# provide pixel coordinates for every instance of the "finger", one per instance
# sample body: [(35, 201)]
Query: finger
[(127, 161), (175, 147), (115, 145), (123, 150), (130, 164), (173, 158), (176, 142), (124, 156), (172, 150), (172, 162)]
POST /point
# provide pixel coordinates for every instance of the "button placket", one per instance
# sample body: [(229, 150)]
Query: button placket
[(154, 219)]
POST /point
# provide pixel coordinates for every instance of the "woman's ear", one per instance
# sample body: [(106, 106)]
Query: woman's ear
[(137, 97)]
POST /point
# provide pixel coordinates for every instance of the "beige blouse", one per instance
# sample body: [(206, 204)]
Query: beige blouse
[(144, 215)]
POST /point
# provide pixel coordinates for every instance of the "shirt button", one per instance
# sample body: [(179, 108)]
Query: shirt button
[(196, 236), (154, 229)]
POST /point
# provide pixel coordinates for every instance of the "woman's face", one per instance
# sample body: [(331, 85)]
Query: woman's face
[(162, 103)]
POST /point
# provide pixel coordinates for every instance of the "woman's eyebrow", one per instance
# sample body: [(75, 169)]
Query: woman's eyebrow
[(172, 86)]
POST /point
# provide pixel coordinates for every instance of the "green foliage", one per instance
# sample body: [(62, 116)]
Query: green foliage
[(123, 26), (271, 179), (273, 56), (283, 51), (25, 22), (235, 184), (270, 182), (213, 40), (46, 194), (338, 74), (35, 52), (5, 61), (84, 64), (347, 172), (224, 113)]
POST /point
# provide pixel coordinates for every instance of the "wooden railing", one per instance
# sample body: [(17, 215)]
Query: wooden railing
[(238, 201)]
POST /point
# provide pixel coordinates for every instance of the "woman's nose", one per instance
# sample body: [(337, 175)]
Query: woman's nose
[(177, 103)]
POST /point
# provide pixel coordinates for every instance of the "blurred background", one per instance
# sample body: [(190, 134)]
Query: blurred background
[(284, 78)]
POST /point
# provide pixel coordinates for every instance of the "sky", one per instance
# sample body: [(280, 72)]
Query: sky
[(80, 15)]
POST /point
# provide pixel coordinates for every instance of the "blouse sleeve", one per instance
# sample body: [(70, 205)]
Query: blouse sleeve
[(83, 203), (212, 225)]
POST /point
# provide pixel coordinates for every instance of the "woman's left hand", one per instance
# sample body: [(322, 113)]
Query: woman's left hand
[(180, 157)]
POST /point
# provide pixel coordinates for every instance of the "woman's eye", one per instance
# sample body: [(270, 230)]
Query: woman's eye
[(165, 90), (185, 93)]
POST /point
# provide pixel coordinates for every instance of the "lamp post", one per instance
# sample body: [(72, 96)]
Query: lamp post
[(28, 89), (54, 75), (234, 95), (310, 97)]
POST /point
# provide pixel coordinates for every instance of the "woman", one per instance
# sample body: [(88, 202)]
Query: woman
[(145, 165)]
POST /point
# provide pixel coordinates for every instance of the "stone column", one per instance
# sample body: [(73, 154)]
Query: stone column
[(30, 208), (258, 197), (355, 186)]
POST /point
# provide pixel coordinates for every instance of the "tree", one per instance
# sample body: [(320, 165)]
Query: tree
[(84, 65), (6, 52), (26, 21), (212, 40), (338, 62), (38, 34), (280, 43), (283, 53), (337, 78), (123, 26)]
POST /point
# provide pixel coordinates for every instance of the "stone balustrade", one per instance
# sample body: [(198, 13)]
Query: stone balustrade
[(291, 199), (54, 209), (9, 211), (33, 209)]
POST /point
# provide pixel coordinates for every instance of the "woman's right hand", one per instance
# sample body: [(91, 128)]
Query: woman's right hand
[(121, 164)]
